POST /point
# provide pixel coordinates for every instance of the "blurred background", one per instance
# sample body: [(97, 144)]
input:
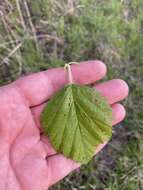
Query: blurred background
[(36, 35)]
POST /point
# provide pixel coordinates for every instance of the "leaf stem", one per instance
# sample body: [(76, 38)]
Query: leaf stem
[(70, 77), (69, 71)]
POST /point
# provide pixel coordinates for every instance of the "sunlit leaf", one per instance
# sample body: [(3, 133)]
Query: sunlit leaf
[(76, 120)]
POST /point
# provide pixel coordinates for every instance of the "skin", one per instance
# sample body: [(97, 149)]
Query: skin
[(27, 160)]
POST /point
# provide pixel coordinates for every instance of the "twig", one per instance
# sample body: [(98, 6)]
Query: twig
[(55, 47), (31, 24), (4, 22), (19, 63), (50, 37), (11, 53), (131, 171), (9, 43), (12, 43), (9, 4), (20, 14), (58, 4), (59, 41), (71, 8)]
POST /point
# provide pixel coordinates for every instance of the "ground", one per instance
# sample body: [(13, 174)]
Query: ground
[(36, 35)]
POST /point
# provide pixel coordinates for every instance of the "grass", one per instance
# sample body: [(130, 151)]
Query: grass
[(36, 35)]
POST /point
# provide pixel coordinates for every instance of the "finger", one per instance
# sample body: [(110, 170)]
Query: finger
[(38, 87), (64, 166), (114, 90), (118, 112), (36, 112)]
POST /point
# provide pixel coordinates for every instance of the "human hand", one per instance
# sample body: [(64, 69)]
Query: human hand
[(27, 160)]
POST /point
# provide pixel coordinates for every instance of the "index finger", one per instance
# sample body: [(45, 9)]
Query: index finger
[(39, 87)]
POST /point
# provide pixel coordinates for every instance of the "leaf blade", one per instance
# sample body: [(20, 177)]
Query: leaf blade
[(82, 121)]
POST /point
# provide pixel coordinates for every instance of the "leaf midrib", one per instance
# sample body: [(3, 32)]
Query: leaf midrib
[(81, 136)]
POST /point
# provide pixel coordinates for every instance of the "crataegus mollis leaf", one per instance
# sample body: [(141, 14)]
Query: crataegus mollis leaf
[(76, 120)]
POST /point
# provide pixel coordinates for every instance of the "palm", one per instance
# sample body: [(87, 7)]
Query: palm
[(27, 160)]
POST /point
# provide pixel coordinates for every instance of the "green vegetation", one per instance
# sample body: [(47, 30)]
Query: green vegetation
[(36, 35)]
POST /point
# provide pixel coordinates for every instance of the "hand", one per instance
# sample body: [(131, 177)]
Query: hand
[(27, 160)]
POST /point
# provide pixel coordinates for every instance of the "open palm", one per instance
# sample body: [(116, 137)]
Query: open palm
[(27, 160)]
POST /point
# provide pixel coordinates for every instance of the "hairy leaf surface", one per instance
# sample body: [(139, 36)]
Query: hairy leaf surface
[(76, 120)]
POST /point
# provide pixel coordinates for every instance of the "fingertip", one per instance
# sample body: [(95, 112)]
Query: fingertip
[(103, 68), (123, 85), (88, 72), (97, 65), (119, 113), (113, 90)]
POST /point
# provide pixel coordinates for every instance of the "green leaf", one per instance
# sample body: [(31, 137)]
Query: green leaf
[(76, 120)]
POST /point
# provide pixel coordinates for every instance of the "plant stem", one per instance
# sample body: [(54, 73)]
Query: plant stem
[(20, 14), (69, 71), (31, 24), (70, 77)]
